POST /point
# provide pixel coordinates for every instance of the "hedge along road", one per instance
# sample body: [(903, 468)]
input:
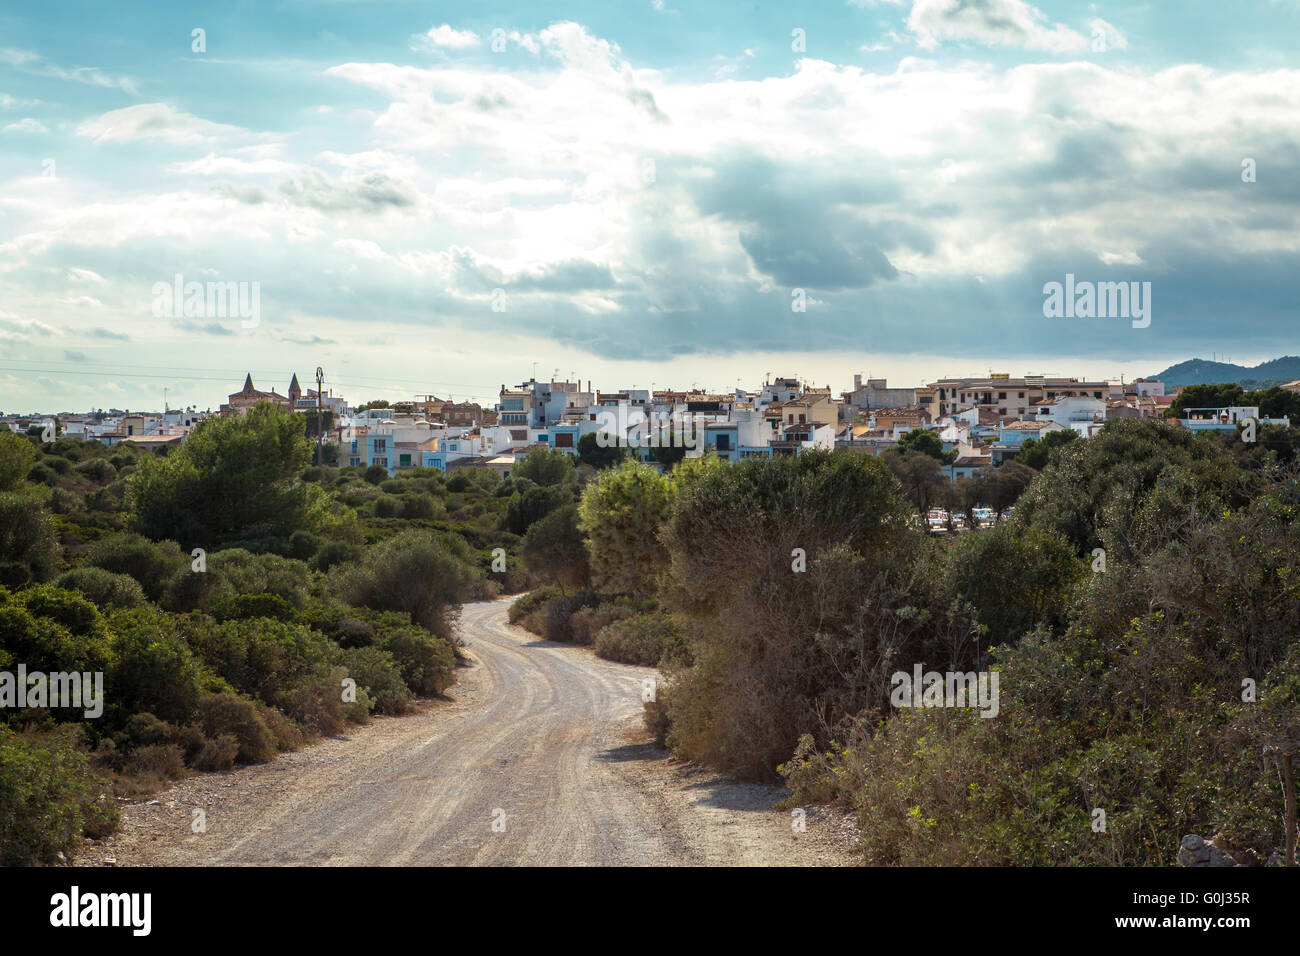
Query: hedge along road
[(539, 760)]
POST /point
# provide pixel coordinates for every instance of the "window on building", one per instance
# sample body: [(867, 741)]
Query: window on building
[(564, 440), (381, 462), (1002, 396), (724, 443), (404, 461), (381, 444)]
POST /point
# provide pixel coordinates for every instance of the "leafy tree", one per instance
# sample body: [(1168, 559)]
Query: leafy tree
[(1273, 402), (730, 523), (920, 477), (670, 456), (29, 545), (16, 458), (1125, 488), (1034, 569), (234, 478), (1206, 396), (554, 550), (312, 428), (1277, 402), (620, 512), (801, 587), (590, 452), (533, 505), (926, 442), (1036, 452), (546, 466)]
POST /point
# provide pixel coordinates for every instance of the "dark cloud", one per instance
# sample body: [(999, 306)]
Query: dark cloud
[(249, 195), (102, 333), (812, 228), (374, 193)]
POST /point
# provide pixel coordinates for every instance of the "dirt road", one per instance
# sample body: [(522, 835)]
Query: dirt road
[(538, 760)]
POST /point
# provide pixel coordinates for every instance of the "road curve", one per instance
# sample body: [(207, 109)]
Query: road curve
[(537, 762)]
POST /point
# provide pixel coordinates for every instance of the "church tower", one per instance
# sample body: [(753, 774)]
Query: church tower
[(295, 392)]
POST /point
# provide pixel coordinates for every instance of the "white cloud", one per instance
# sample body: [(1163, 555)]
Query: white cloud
[(33, 64), (446, 37), (155, 121), (535, 180), (8, 102), (27, 125), (215, 165), (1113, 39), (990, 22)]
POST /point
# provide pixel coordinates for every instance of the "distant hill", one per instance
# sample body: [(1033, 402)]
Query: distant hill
[(1197, 371)]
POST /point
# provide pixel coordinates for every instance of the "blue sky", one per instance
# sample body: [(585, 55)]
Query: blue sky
[(434, 197)]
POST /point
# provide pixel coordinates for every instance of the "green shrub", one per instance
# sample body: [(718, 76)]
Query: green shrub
[(228, 715), (157, 761), (242, 572), (97, 470), (527, 604), (1036, 568), (17, 455), (303, 545), (587, 622), (316, 701), (104, 588), (245, 606), (217, 755), (49, 799), (533, 505), (557, 614), (643, 639), (266, 659), (423, 574), (29, 546), (1136, 706), (151, 564), (154, 669), (377, 672), (427, 663), (44, 644), (333, 553), (421, 506)]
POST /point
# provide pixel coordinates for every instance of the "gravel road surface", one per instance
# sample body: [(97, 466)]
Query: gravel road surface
[(539, 758)]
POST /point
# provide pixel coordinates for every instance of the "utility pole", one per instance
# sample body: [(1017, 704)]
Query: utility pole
[(320, 421)]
